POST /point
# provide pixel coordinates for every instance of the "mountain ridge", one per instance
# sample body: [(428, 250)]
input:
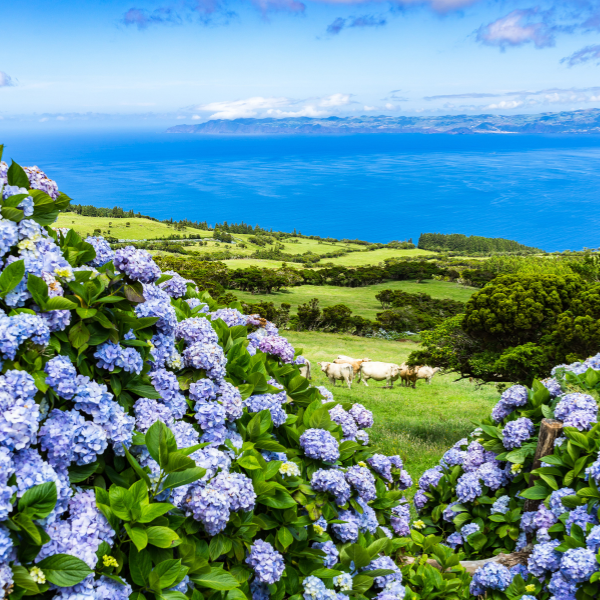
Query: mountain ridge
[(585, 121)]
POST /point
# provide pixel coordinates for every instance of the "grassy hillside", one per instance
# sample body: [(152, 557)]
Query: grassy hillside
[(420, 424), (361, 300), (140, 229)]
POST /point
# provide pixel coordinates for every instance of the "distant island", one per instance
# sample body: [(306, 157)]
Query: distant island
[(571, 122)]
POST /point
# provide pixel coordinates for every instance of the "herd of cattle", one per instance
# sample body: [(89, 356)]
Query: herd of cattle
[(345, 368)]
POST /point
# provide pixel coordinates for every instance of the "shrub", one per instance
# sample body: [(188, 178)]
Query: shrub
[(489, 496), (154, 444)]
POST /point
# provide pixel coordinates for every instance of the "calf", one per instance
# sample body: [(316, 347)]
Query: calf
[(338, 372), (354, 363)]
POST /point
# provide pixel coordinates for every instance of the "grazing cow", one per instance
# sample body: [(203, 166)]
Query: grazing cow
[(379, 371), (338, 372), (410, 375), (349, 358), (353, 362), (305, 369)]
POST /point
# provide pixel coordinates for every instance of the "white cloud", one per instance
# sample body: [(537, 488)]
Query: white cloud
[(506, 104), (365, 107), (275, 107)]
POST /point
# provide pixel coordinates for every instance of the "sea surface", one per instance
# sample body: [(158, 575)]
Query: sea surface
[(542, 191)]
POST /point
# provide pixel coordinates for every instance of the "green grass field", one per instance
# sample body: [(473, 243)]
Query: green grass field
[(362, 299), (142, 229), (139, 228), (418, 424)]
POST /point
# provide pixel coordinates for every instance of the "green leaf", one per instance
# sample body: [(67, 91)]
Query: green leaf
[(134, 292), (79, 334), (216, 580), (11, 276), (162, 537), (236, 594), (23, 579), (121, 502), (64, 570), (218, 546), (60, 303), (320, 419), (378, 546), (165, 574), (249, 462), (358, 555), (140, 565), (39, 501), (143, 390), (79, 473), (153, 511), (183, 477), (537, 492), (285, 537), (136, 466), (17, 176), (38, 289), (138, 536)]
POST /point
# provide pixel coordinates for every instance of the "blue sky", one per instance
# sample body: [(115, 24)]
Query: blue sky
[(192, 60)]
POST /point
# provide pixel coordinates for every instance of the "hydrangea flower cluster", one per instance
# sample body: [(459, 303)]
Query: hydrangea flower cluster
[(516, 432), (103, 250), (577, 410), (277, 346), (512, 398), (176, 287), (111, 355), (266, 561), (136, 264), (319, 444)]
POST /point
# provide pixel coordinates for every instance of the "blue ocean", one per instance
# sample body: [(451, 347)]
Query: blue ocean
[(542, 191)]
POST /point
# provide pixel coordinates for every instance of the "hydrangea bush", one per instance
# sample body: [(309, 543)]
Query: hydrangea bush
[(156, 445), (484, 498)]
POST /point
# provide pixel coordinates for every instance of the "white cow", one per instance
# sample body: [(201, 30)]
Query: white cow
[(355, 363), (349, 358), (338, 372), (379, 371)]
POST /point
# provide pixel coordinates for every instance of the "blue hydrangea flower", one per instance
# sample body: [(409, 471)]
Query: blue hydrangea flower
[(500, 506), (230, 316), (491, 475), (362, 480), (238, 488), (430, 478), (347, 531), (176, 287), (512, 398), (61, 376), (158, 304), (556, 505), (6, 545), (266, 561), (468, 487), (270, 402), (209, 357), (103, 250), (203, 390), (210, 415), (578, 565), (166, 384), (492, 576), (362, 416), (516, 432), (469, 529), (209, 506), (561, 588), (400, 519), (319, 444), (544, 558), (332, 481), (277, 346), (593, 539), (581, 517), (454, 539), (577, 410), (109, 589), (385, 562), (148, 411), (327, 395), (348, 424), (93, 399), (196, 330), (315, 589), (332, 556), (16, 330), (136, 264), (420, 500), (19, 413), (231, 399)]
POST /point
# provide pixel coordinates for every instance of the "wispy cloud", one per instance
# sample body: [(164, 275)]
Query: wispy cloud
[(517, 28), (457, 96), (580, 92), (360, 21), (276, 107), (6, 80), (585, 55), (142, 19)]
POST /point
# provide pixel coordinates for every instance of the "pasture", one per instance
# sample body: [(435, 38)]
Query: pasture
[(146, 229), (360, 299), (418, 424)]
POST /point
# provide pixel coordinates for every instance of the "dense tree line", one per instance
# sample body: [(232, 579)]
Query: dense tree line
[(473, 244), (517, 328)]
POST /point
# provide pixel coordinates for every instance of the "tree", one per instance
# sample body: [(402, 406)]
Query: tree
[(517, 328)]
